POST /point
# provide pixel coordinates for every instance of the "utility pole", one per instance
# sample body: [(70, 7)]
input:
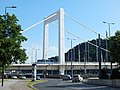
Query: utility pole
[(79, 52), (99, 55), (97, 50), (88, 52), (85, 59)]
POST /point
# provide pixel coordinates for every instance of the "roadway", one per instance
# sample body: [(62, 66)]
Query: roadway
[(58, 84)]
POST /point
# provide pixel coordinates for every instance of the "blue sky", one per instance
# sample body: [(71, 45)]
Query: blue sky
[(91, 13)]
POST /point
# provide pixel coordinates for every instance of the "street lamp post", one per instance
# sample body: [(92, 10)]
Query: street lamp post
[(71, 56), (109, 26), (9, 7), (36, 54), (106, 41), (5, 37)]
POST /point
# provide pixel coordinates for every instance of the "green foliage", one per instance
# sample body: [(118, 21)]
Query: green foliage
[(115, 74), (115, 47), (10, 41)]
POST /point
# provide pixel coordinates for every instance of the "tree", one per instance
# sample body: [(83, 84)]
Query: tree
[(115, 47), (10, 42)]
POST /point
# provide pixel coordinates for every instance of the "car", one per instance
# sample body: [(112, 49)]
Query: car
[(38, 78), (66, 77), (14, 77), (77, 78), (22, 77)]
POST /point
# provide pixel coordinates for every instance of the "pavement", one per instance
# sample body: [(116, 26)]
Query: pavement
[(13, 84), (57, 84)]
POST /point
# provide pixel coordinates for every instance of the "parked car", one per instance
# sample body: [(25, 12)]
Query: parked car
[(66, 77), (77, 78), (38, 78), (22, 77), (14, 77)]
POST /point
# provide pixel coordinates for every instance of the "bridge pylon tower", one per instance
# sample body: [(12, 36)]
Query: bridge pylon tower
[(59, 15)]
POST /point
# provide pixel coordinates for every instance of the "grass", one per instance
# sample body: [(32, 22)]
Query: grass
[(30, 83)]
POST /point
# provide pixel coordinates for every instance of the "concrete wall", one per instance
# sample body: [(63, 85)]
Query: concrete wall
[(113, 83)]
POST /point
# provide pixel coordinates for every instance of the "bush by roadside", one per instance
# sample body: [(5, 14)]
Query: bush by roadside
[(115, 74)]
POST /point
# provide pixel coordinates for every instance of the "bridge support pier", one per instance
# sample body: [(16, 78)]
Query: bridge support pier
[(61, 69)]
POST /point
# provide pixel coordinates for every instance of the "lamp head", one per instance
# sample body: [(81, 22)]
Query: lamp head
[(14, 7), (112, 23), (104, 22)]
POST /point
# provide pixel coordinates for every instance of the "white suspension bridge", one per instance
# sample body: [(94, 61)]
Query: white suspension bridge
[(63, 66)]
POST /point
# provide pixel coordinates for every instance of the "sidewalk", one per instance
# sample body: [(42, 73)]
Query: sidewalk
[(13, 84)]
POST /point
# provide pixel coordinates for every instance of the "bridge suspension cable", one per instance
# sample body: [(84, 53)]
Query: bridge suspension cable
[(75, 20), (37, 23), (66, 30)]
